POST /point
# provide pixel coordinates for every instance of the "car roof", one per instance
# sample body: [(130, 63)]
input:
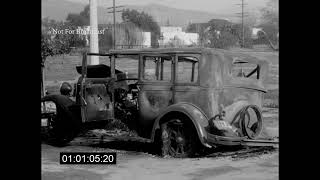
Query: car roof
[(233, 55), (156, 50)]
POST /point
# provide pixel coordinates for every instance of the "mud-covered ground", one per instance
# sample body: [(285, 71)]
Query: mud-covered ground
[(134, 161)]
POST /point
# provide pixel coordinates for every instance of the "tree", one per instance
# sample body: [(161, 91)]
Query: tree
[(199, 28), (270, 21), (251, 20), (52, 44), (143, 21), (270, 13), (220, 24), (54, 40), (237, 31), (219, 34), (81, 19)]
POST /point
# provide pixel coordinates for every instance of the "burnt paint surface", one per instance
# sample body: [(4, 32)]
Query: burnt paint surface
[(99, 106), (232, 100), (216, 90), (153, 98)]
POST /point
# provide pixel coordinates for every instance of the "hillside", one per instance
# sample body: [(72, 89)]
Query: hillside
[(59, 9)]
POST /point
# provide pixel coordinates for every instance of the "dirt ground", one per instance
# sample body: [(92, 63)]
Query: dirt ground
[(134, 162), (143, 166)]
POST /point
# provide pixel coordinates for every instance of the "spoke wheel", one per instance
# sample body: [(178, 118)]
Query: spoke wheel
[(178, 139)]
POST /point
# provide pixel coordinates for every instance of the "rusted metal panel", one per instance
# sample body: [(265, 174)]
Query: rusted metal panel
[(152, 100), (216, 90), (99, 105)]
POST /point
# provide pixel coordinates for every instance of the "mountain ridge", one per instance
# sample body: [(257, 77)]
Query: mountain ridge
[(59, 9)]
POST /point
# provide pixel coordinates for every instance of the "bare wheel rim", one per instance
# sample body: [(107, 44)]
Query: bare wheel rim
[(250, 126), (179, 143)]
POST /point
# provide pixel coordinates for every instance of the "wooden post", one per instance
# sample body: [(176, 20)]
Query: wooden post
[(94, 41), (43, 89)]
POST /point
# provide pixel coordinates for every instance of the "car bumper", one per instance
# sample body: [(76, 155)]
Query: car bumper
[(214, 140)]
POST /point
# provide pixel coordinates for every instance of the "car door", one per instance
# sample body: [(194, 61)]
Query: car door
[(155, 84), (186, 84), (94, 93)]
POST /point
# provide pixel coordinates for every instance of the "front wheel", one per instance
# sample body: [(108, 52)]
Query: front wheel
[(179, 138)]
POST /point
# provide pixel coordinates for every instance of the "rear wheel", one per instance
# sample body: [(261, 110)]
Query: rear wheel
[(178, 138)]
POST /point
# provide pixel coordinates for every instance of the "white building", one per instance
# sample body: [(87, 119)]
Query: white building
[(175, 35), (146, 39), (255, 32)]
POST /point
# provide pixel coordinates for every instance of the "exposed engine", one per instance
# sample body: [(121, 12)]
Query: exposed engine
[(126, 104)]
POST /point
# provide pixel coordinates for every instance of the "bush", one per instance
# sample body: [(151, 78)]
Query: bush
[(222, 34), (224, 40)]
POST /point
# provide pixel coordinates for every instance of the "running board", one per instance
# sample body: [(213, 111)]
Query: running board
[(258, 142)]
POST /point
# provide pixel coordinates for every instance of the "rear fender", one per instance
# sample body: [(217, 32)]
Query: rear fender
[(232, 110), (195, 114)]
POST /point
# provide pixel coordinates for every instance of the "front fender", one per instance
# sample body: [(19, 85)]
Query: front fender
[(195, 114)]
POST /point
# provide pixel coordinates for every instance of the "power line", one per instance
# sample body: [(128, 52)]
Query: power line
[(114, 20), (116, 11), (115, 7)]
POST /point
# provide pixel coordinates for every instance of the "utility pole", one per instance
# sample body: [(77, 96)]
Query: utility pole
[(243, 15), (114, 24), (94, 41), (114, 21)]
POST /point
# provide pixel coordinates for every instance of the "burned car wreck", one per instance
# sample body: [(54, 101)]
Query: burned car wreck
[(179, 99)]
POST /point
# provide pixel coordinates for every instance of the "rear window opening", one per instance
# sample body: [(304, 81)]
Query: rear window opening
[(244, 69), (157, 68), (129, 65), (187, 69)]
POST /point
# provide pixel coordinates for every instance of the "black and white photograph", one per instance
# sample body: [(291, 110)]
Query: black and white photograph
[(159, 89)]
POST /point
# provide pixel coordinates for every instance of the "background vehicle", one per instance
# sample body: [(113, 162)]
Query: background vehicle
[(180, 99)]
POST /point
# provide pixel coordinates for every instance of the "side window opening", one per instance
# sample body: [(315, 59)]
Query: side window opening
[(187, 69), (245, 69), (157, 68), (128, 65)]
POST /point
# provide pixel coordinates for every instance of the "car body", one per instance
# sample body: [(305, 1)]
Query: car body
[(217, 93)]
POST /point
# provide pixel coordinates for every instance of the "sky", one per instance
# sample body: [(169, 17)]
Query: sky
[(213, 6)]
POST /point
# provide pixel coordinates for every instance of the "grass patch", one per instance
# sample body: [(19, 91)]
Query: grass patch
[(271, 99)]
